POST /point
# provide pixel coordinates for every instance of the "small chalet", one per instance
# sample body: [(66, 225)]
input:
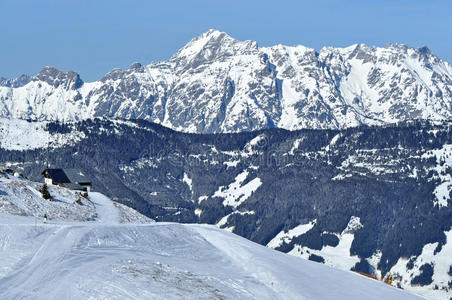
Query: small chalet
[(73, 179)]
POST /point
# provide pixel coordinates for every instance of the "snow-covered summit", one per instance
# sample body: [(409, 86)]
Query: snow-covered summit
[(212, 45), (217, 83), (68, 80)]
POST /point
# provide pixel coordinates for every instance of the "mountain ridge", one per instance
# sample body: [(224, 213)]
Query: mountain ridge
[(216, 84)]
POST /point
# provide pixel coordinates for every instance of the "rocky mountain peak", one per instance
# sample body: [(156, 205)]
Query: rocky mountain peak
[(424, 50), (219, 84), (114, 74), (135, 66), (210, 46), (70, 80), (15, 82)]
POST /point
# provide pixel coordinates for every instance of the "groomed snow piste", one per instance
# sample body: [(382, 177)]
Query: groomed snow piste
[(89, 251), (160, 260)]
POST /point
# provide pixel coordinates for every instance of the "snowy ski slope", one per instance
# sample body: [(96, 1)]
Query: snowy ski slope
[(96, 260), (105, 258)]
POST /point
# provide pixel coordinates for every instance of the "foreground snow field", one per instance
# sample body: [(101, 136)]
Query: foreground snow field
[(103, 250), (95, 260)]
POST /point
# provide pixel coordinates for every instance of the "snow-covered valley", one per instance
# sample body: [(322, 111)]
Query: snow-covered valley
[(103, 250)]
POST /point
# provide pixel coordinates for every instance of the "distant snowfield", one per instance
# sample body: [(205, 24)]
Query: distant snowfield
[(24, 135), (16, 134)]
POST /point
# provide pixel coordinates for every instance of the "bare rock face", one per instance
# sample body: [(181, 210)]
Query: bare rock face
[(219, 84), (16, 82), (53, 77)]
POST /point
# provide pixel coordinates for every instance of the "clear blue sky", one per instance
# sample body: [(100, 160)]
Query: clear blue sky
[(94, 36)]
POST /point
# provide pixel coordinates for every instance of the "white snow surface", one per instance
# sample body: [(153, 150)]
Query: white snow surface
[(440, 262), (21, 197), (107, 212), (341, 258), (188, 181), (286, 237), (18, 134), (97, 251), (443, 190), (338, 256), (237, 192), (161, 260)]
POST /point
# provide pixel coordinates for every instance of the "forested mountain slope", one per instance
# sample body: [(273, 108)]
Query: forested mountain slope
[(375, 199)]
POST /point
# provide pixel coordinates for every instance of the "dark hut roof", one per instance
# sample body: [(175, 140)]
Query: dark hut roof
[(76, 176), (57, 175), (73, 176)]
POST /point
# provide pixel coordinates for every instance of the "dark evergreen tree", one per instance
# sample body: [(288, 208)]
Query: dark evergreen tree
[(45, 192)]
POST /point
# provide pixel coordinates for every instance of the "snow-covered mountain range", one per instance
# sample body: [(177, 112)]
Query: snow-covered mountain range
[(88, 250), (219, 84)]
